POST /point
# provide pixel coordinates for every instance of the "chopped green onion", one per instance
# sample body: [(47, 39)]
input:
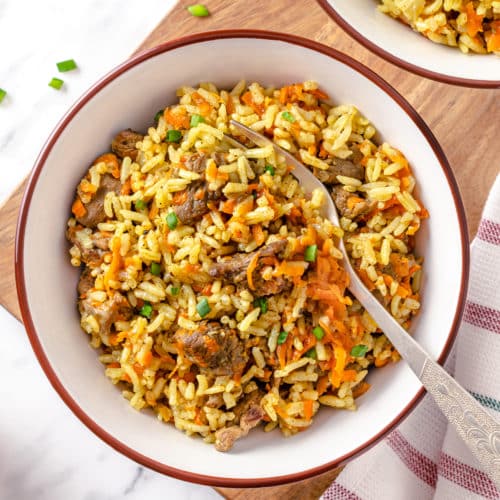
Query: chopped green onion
[(140, 205), (3, 93), (56, 83), (146, 310), (196, 120), (318, 332), (310, 253), (202, 307), (155, 268), (173, 136), (270, 169), (262, 303), (172, 220), (282, 337), (198, 10), (174, 290), (358, 351), (68, 65), (286, 115), (311, 353), (158, 115)]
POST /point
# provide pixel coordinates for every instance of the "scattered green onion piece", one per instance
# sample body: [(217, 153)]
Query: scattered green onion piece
[(310, 253), (68, 65), (358, 351), (172, 220), (196, 120), (3, 93), (286, 115), (146, 310), (140, 205), (262, 303), (318, 332), (56, 83), (311, 353), (174, 136), (155, 268), (174, 290), (198, 10), (282, 337), (202, 307), (270, 169), (158, 115)]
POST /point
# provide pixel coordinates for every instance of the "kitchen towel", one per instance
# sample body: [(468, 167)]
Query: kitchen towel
[(424, 458)]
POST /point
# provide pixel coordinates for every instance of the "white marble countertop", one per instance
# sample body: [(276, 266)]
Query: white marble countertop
[(45, 452)]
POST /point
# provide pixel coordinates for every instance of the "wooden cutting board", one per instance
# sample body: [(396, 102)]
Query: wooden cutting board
[(465, 122)]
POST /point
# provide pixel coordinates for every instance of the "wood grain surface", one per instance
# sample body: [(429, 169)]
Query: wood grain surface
[(465, 122)]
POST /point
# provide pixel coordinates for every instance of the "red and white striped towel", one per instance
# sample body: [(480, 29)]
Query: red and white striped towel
[(424, 458)]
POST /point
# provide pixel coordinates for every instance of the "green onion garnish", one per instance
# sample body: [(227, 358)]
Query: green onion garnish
[(172, 220), (68, 65), (173, 136), (3, 93), (146, 310), (155, 268), (286, 115), (202, 307), (282, 337), (310, 253), (140, 205), (358, 351), (158, 115), (262, 303), (198, 10), (270, 169), (174, 290), (318, 332), (311, 353), (196, 120), (56, 83)]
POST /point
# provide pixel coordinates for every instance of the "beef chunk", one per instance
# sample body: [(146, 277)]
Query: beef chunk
[(341, 196), (196, 163), (86, 282), (234, 268), (215, 349), (263, 287), (106, 313), (94, 209), (89, 254), (195, 206), (124, 144), (340, 167)]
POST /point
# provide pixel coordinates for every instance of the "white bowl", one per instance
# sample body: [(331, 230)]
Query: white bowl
[(410, 50), (129, 96)]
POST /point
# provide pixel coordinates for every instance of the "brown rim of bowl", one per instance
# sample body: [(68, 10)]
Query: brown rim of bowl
[(418, 70), (21, 283)]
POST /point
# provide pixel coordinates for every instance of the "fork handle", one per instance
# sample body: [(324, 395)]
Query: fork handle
[(478, 429)]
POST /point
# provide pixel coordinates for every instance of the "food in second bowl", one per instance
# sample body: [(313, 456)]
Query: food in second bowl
[(214, 287), (469, 25)]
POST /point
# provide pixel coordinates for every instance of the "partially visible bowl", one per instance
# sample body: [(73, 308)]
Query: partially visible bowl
[(400, 45), (128, 97)]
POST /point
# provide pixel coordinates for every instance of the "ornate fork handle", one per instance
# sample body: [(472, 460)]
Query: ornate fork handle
[(474, 425)]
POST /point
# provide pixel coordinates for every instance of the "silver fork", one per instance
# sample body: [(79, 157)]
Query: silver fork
[(479, 430)]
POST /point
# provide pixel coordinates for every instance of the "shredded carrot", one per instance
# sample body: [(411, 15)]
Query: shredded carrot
[(126, 377), (207, 290), (227, 207), (404, 292), (252, 187), (127, 187), (180, 198), (360, 389), (258, 234), (338, 367), (493, 43), (292, 268), (381, 362), (251, 268), (280, 411), (153, 211), (200, 194), (319, 94), (352, 201), (139, 369), (114, 364), (474, 21), (349, 375), (179, 119), (77, 208), (308, 409), (197, 417), (146, 358), (248, 100), (400, 265), (211, 171), (111, 161), (322, 385)]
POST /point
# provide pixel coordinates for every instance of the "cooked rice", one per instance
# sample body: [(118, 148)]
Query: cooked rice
[(160, 274), (472, 26)]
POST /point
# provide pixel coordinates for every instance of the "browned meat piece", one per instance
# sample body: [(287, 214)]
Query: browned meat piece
[(91, 256), (94, 210), (340, 167), (196, 163), (124, 144), (250, 415), (86, 282), (195, 206), (234, 268), (340, 197), (106, 313), (214, 401), (213, 348), (263, 287)]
